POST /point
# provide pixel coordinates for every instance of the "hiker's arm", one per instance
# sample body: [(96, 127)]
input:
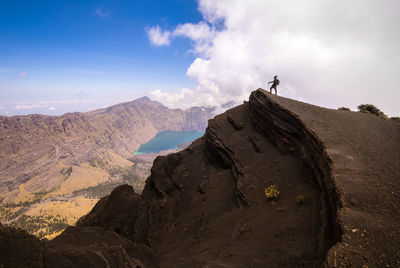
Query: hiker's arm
[(270, 82)]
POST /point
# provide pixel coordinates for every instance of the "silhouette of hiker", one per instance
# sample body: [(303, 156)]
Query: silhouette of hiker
[(275, 83)]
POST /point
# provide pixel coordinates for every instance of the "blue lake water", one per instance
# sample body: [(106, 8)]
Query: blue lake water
[(168, 140)]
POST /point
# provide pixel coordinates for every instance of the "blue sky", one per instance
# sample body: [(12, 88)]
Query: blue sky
[(94, 51), (65, 56)]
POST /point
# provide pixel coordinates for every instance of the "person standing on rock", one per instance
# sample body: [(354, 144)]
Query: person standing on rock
[(275, 83)]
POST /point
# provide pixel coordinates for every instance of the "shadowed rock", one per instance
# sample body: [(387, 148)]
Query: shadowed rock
[(337, 174)]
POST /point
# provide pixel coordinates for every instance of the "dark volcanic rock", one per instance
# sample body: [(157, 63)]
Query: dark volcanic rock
[(96, 247), (20, 249), (116, 212), (336, 172), (205, 206), (75, 247)]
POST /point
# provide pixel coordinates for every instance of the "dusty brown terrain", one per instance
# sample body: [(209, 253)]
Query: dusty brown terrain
[(77, 247), (36, 151), (338, 178), (365, 151), (53, 169)]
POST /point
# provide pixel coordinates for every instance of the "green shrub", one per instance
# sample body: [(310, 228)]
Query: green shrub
[(300, 199), (344, 109), (272, 192), (68, 173), (372, 109)]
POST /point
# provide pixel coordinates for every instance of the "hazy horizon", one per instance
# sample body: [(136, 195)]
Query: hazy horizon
[(63, 56)]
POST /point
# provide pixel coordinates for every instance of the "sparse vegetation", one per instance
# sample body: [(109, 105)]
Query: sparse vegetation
[(10, 212), (272, 192), (39, 225), (134, 175), (300, 199), (66, 171), (44, 225), (97, 162), (69, 171), (372, 109), (344, 109)]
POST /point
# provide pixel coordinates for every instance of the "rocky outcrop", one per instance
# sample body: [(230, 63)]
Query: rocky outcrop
[(206, 205), (291, 135), (365, 154), (116, 212), (76, 247)]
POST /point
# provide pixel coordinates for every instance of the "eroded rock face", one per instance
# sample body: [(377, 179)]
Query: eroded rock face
[(116, 212), (20, 249), (76, 247), (96, 247), (206, 206), (365, 154)]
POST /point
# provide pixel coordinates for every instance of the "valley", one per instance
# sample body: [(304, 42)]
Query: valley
[(54, 169)]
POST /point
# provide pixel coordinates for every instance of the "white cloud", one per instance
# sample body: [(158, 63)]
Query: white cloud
[(201, 33), (23, 106), (182, 99), (57, 107), (158, 37), (102, 14), (1, 107), (326, 53)]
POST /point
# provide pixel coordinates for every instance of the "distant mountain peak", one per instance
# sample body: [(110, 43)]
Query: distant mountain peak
[(147, 101), (143, 99)]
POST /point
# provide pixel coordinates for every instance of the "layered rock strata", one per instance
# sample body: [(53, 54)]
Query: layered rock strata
[(337, 173)]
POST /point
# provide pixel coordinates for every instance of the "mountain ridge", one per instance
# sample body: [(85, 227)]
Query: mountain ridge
[(68, 162), (210, 205), (121, 128), (203, 206)]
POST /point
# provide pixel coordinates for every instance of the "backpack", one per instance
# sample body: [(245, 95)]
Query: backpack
[(277, 82)]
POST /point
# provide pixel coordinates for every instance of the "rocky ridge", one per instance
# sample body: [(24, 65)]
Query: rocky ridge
[(206, 207), (34, 149)]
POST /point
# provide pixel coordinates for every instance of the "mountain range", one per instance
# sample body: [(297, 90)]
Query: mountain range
[(48, 157)]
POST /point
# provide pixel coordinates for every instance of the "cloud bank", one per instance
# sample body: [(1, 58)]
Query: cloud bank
[(324, 52), (53, 107)]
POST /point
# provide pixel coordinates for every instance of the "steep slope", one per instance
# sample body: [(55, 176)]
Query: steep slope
[(34, 149), (365, 152), (206, 206), (77, 247), (51, 165)]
